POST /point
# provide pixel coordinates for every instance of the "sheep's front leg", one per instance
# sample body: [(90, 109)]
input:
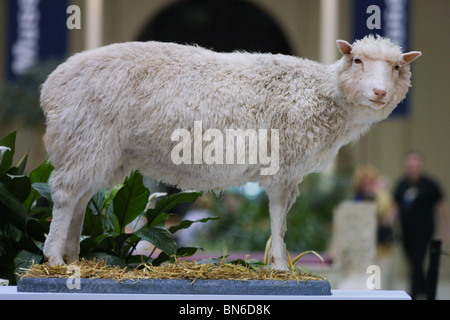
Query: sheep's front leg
[(280, 201)]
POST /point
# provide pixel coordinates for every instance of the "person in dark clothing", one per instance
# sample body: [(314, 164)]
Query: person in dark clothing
[(417, 196)]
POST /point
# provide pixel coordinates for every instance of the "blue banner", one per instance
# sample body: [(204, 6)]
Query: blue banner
[(37, 32), (387, 18)]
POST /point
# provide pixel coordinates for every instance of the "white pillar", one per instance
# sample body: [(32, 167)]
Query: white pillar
[(94, 24), (328, 37), (328, 30), (354, 236)]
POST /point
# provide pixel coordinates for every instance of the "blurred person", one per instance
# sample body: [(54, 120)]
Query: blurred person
[(417, 196), (368, 186)]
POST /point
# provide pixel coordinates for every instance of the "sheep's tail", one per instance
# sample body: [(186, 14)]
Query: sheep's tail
[(45, 96), (44, 139)]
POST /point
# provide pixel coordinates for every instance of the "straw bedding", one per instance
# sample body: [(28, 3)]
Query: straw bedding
[(191, 270)]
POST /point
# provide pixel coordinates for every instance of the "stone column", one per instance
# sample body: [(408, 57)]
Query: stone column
[(355, 242)]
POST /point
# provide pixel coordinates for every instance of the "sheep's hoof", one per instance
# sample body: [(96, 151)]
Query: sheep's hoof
[(54, 261), (280, 266), (69, 258)]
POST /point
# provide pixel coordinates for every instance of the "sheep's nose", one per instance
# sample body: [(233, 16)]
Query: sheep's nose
[(379, 93)]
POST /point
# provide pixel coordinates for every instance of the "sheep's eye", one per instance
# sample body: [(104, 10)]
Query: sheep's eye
[(397, 67), (357, 61)]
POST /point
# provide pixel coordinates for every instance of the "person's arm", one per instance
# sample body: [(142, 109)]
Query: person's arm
[(391, 215), (394, 210), (444, 215)]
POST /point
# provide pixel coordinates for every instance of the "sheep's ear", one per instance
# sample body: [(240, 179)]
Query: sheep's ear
[(411, 56), (344, 46)]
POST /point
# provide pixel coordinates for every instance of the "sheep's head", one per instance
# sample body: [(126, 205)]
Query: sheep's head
[(375, 72)]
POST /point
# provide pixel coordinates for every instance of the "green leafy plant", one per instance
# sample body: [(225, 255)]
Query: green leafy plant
[(291, 261), (25, 219), (23, 222), (109, 212)]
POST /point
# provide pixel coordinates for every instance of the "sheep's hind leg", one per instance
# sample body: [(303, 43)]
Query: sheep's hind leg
[(72, 247), (63, 208), (65, 198), (281, 200)]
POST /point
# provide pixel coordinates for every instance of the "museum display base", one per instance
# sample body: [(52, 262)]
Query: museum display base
[(175, 286)]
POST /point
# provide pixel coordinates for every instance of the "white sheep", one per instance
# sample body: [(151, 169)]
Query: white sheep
[(115, 108)]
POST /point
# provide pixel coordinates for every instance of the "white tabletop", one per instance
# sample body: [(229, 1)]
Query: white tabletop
[(10, 293)]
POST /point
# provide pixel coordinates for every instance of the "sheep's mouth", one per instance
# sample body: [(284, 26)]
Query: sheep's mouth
[(378, 103)]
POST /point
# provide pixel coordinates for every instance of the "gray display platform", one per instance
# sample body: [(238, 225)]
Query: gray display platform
[(159, 286), (10, 293)]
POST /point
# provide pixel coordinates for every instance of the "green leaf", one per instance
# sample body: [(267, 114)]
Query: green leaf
[(38, 175), (41, 213), (186, 251), (97, 202), (41, 173), (9, 142), (129, 245), (163, 205), (17, 214), (87, 245), (95, 217), (160, 220), (181, 252), (120, 242), (18, 185), (130, 201), (187, 223), (36, 230), (109, 197), (293, 261), (44, 190), (92, 225), (136, 260), (39, 245), (110, 259), (112, 222), (24, 259), (100, 238), (22, 164), (162, 257), (160, 237)]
